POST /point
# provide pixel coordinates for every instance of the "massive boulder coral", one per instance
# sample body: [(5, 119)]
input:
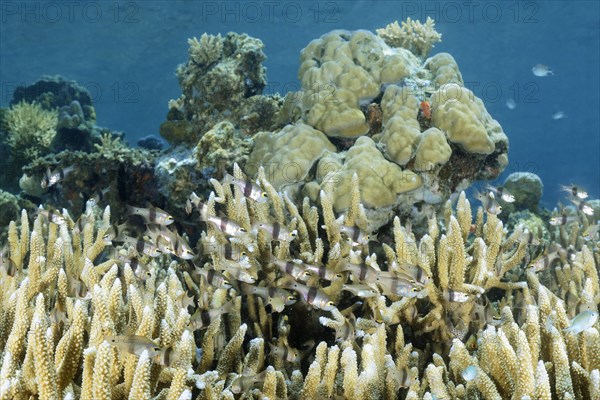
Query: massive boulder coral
[(415, 111)]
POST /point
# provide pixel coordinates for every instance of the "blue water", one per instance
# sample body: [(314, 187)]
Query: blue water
[(125, 53)]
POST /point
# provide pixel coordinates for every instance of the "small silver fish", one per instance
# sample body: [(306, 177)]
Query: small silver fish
[(313, 296), (152, 215), (201, 319), (489, 202), (286, 353), (5, 262), (544, 262), (243, 383), (143, 247), (583, 320), (470, 373), (361, 290), (355, 235), (502, 193), (575, 191), (51, 216), (511, 104), (560, 220), (248, 188), (276, 231), (541, 70), (213, 277), (51, 178), (134, 344), (559, 115), (276, 297), (454, 296), (583, 207)]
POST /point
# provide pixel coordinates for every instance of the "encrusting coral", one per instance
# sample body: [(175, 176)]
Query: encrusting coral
[(460, 312)]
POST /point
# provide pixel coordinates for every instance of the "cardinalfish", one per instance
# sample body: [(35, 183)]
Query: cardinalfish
[(591, 232), (234, 270), (312, 295), (51, 178), (356, 236), (575, 191), (286, 353), (502, 193), (543, 262), (243, 383), (394, 285), (413, 273), (136, 345), (51, 216), (143, 246), (248, 188), (453, 296), (225, 225), (151, 215), (201, 319), (192, 201), (296, 270), (360, 290), (213, 277), (169, 242), (276, 231), (276, 297), (489, 202), (5, 262), (583, 207), (560, 220)]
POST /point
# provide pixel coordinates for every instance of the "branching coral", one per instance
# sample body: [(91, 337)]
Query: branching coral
[(432, 308), (30, 130), (413, 35)]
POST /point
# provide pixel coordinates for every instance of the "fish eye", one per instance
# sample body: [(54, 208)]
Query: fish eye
[(226, 282), (169, 218), (156, 348), (338, 275), (243, 254), (331, 303), (243, 230), (159, 251), (291, 298), (415, 289), (264, 194), (293, 234)]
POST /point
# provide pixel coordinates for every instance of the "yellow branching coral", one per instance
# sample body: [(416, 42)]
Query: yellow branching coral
[(413, 35)]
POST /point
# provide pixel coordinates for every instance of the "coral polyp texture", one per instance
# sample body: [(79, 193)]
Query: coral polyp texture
[(282, 301), (379, 100)]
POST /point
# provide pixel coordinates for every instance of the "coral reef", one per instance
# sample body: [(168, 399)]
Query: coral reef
[(455, 313), (222, 81), (415, 112), (527, 188), (31, 130)]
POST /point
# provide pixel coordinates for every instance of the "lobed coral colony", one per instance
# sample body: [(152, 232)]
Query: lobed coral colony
[(273, 284)]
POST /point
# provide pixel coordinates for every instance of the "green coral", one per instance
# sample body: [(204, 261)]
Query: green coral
[(30, 130)]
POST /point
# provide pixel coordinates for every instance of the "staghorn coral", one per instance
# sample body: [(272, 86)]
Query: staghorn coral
[(413, 35), (400, 345)]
